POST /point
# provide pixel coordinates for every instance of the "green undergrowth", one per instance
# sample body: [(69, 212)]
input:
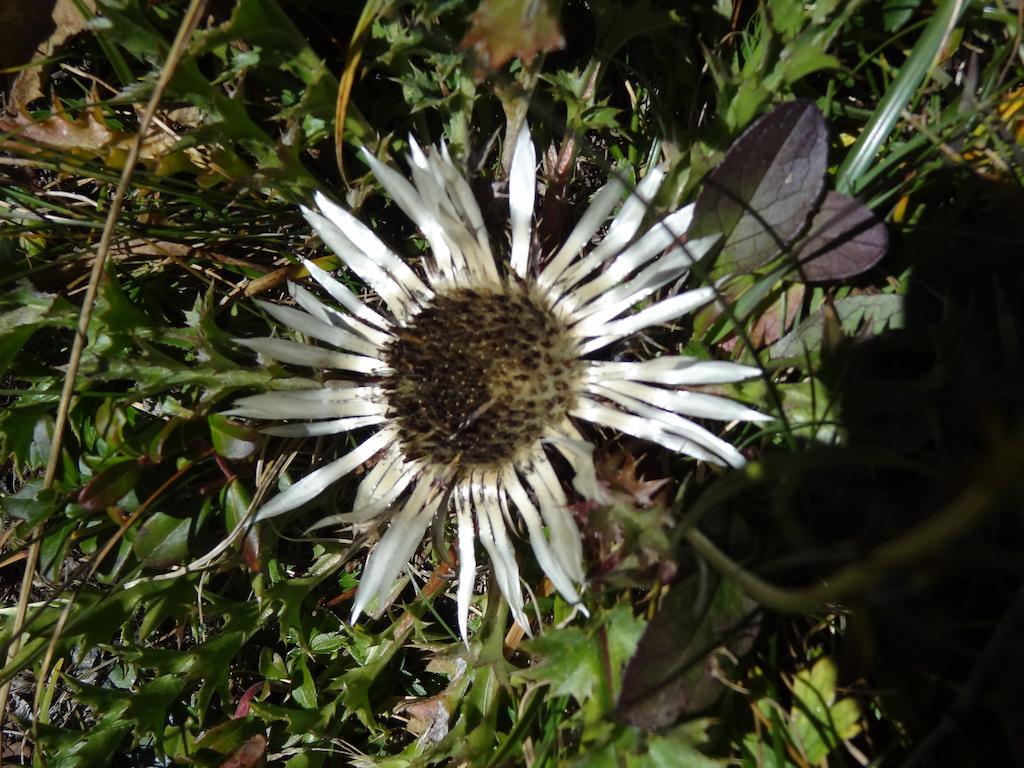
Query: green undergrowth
[(869, 551)]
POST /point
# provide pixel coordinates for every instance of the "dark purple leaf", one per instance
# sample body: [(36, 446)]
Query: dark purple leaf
[(109, 486), (672, 671), (845, 239), (762, 194)]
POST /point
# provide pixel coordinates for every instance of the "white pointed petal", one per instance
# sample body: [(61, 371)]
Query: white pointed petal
[(318, 309), (389, 466), (522, 187), (677, 425), (654, 241), (313, 484), (674, 370), (554, 508), (397, 475), (318, 329), (389, 288), (556, 571), (696, 404), (495, 539), (467, 559), (329, 392), (297, 410), (342, 294), (401, 191), (461, 195), (366, 241), (374, 508), (604, 200), (395, 548), (617, 300), (580, 455), (309, 302), (321, 428), (656, 314), (460, 217), (621, 231), (415, 207), (313, 357), (645, 429), (311, 404)]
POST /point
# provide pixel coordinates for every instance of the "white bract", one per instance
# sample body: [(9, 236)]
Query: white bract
[(474, 373)]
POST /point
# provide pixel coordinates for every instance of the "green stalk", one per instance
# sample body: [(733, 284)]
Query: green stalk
[(849, 178)]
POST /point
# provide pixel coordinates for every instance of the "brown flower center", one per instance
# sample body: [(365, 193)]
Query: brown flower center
[(478, 375)]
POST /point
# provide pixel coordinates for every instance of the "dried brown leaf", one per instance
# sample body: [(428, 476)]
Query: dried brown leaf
[(502, 29), (32, 31)]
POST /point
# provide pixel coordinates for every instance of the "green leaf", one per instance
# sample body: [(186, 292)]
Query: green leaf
[(150, 705), (66, 748), (162, 540), (303, 685), (110, 486), (32, 503), (567, 660), (897, 98), (231, 439), (25, 433), (817, 723), (868, 314)]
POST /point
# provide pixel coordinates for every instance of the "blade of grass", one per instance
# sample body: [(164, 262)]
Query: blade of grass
[(849, 179), (371, 10)]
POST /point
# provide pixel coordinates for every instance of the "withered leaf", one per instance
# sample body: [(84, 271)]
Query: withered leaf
[(501, 29)]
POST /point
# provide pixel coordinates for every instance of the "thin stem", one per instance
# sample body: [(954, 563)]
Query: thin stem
[(916, 545)]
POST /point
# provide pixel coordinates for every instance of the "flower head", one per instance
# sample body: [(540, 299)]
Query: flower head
[(476, 371)]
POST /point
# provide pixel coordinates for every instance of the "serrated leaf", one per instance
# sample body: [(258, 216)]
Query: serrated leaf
[(761, 196), (845, 239), (149, 706), (873, 313), (32, 503), (568, 661), (817, 723)]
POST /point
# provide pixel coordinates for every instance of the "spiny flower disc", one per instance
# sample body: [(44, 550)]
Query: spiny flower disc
[(478, 375), (475, 370)]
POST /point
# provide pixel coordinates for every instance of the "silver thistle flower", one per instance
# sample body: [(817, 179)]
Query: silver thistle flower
[(476, 369)]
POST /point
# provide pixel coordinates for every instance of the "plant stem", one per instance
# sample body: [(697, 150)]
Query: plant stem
[(913, 547)]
